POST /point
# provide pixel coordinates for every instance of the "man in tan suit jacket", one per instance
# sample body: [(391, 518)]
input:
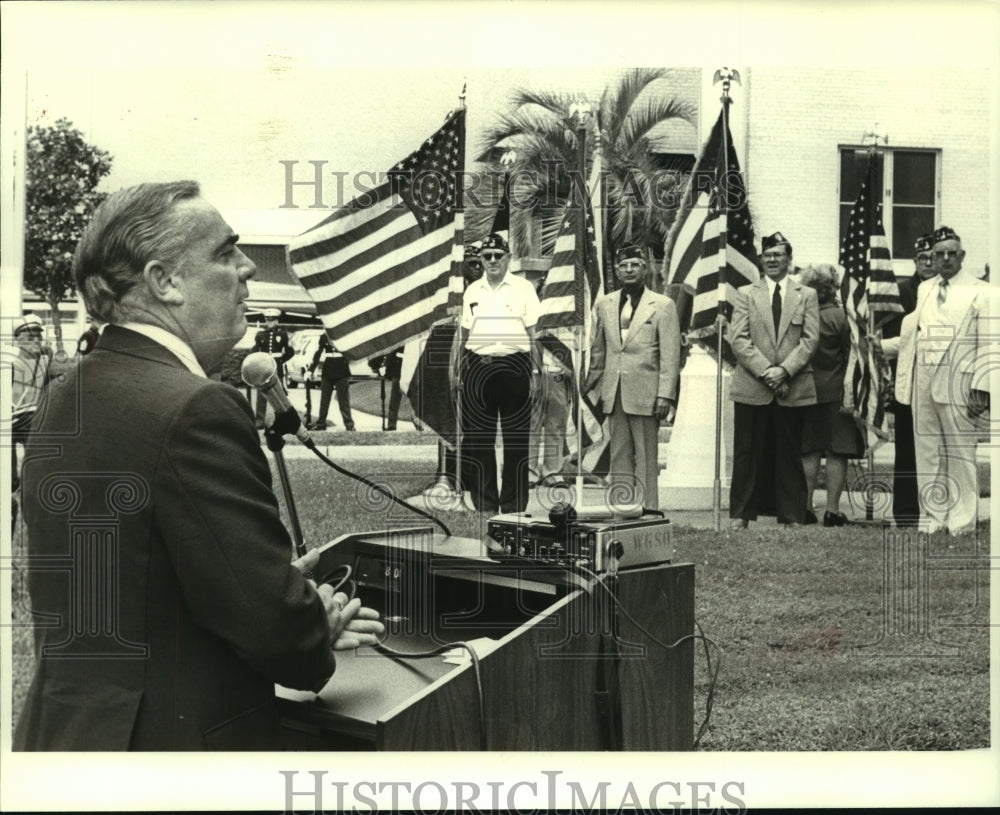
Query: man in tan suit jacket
[(634, 358), (943, 374), (773, 333)]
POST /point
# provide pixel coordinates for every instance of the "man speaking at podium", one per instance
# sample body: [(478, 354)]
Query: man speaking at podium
[(170, 603)]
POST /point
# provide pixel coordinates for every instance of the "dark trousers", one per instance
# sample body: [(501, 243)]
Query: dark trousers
[(767, 463), (395, 397), (20, 430), (905, 504), (343, 386), (496, 388)]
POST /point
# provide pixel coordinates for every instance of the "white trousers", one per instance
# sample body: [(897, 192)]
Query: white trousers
[(945, 444)]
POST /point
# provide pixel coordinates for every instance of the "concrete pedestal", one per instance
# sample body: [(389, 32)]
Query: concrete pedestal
[(688, 480)]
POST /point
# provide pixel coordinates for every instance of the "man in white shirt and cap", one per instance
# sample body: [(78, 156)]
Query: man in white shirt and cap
[(499, 380), (942, 373)]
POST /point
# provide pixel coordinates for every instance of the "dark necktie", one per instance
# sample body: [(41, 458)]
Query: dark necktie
[(776, 308)]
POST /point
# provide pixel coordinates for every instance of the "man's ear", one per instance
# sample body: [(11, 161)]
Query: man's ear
[(165, 284)]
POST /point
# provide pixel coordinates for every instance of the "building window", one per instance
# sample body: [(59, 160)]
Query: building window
[(271, 262), (909, 183)]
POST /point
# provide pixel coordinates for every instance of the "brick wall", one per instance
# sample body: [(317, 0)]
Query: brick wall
[(797, 118)]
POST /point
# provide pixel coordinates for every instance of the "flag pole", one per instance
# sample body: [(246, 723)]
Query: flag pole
[(581, 248), (873, 383), (869, 498), (457, 352), (726, 76)]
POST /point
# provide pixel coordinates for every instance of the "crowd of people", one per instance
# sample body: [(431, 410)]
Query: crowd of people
[(791, 339), (176, 457)]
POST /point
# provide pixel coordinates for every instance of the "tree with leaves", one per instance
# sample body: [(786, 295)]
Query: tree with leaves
[(62, 174), (540, 132)]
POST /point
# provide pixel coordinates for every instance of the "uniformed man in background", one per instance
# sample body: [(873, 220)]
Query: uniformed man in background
[(273, 340)]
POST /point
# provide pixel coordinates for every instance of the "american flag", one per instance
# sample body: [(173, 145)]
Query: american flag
[(386, 267), (710, 245), (571, 285), (871, 297)]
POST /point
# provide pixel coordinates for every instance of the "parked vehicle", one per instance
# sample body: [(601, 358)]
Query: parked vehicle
[(305, 343)]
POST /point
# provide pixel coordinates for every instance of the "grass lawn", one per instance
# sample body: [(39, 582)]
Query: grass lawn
[(787, 608)]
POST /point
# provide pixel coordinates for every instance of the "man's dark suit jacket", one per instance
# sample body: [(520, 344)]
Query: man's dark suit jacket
[(180, 608)]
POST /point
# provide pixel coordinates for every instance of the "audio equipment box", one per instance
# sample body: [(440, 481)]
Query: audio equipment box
[(601, 546)]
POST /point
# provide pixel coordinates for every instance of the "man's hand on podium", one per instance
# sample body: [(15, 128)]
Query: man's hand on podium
[(351, 624)]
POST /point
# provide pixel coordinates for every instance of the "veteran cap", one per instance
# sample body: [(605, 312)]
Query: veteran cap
[(924, 243), (28, 321), (945, 233), (632, 252), (770, 241), (495, 241)]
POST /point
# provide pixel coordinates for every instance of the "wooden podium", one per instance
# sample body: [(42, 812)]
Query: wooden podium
[(551, 654)]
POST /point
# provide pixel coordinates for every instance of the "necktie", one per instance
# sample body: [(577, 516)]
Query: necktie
[(626, 317), (942, 292), (776, 308)]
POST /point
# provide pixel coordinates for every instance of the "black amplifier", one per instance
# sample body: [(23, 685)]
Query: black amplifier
[(601, 546)]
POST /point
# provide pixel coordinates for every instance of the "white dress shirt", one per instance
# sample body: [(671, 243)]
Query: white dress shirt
[(498, 318), (172, 343)]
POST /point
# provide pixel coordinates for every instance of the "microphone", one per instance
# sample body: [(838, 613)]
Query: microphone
[(260, 371)]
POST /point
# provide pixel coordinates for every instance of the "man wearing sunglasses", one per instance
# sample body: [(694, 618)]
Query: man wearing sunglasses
[(943, 374), (498, 380)]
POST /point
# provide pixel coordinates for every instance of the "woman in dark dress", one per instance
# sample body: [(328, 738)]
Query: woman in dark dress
[(826, 431)]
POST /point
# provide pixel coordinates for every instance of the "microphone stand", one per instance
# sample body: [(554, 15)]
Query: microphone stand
[(286, 422)]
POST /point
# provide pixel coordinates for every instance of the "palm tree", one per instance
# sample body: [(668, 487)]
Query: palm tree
[(540, 131)]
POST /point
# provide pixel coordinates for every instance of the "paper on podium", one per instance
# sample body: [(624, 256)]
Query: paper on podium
[(459, 656)]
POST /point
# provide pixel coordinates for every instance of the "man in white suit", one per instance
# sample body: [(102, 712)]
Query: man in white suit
[(634, 359), (942, 373), (773, 334)]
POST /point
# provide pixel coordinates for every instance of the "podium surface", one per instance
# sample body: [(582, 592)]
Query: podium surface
[(553, 677)]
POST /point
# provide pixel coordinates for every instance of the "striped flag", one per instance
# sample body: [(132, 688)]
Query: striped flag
[(871, 297), (710, 246), (386, 267), (571, 286)]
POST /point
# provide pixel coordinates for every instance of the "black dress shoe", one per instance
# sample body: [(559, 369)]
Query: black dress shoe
[(810, 518), (834, 519)]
